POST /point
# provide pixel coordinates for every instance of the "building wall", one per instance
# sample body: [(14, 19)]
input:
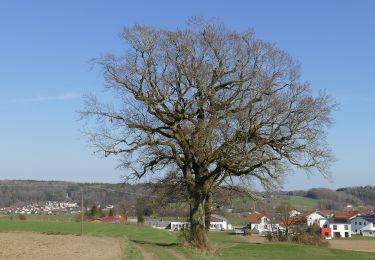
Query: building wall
[(218, 225), (326, 232), (313, 217), (323, 223), (179, 225), (360, 223), (186, 225), (340, 229), (368, 233)]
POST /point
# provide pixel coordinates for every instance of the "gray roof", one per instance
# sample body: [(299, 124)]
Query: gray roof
[(221, 218)]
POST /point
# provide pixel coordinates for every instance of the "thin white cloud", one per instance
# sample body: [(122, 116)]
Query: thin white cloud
[(43, 98)]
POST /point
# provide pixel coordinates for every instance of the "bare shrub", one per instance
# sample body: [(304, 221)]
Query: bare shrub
[(248, 232), (22, 217), (78, 218)]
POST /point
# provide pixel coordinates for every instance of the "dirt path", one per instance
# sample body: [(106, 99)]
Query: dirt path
[(22, 246), (355, 245), (145, 255), (253, 239), (176, 254)]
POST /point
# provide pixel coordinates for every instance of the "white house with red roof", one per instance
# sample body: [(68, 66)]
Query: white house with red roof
[(316, 217), (259, 223)]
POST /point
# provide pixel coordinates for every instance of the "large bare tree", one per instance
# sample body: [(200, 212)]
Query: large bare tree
[(214, 105)]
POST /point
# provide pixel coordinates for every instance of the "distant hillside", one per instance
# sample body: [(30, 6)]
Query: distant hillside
[(365, 194), (19, 192), (305, 203), (358, 197), (14, 192)]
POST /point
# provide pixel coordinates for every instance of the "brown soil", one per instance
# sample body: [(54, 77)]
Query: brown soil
[(145, 255), (355, 245), (254, 239), (40, 246)]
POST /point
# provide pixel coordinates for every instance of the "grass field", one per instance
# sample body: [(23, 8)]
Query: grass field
[(161, 244), (299, 202)]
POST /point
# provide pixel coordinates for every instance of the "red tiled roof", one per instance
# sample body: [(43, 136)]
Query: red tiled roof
[(325, 212), (346, 214), (217, 218), (254, 217)]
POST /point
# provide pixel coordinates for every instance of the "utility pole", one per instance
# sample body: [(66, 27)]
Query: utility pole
[(81, 211)]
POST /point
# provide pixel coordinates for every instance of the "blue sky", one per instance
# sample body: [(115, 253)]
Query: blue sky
[(45, 47)]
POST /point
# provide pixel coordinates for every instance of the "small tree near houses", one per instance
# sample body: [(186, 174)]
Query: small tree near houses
[(216, 106)]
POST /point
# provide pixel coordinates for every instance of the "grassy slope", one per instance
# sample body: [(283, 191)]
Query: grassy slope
[(302, 202), (156, 241)]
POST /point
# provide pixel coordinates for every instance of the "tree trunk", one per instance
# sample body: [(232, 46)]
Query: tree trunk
[(207, 212), (198, 234)]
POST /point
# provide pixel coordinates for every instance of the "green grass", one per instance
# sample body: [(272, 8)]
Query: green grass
[(359, 237), (56, 218), (237, 247), (161, 242), (131, 252), (299, 202)]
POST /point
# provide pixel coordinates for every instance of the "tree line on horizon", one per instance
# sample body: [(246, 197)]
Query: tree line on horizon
[(13, 193)]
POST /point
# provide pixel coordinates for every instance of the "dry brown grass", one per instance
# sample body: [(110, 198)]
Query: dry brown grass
[(355, 245), (42, 246)]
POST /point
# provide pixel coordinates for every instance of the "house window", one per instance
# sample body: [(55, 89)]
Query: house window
[(364, 223), (360, 223), (355, 223), (355, 231), (370, 232), (334, 227), (265, 226), (346, 227)]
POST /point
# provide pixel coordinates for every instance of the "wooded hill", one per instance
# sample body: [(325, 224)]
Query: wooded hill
[(20, 192)]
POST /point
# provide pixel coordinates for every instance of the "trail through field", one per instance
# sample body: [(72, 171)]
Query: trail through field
[(145, 254), (355, 245), (22, 246), (176, 254)]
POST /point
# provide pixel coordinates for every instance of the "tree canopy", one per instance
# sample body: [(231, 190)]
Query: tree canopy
[(212, 105)]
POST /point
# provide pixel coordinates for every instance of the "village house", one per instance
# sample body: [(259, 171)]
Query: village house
[(178, 225), (259, 223), (315, 217), (340, 227), (294, 213), (334, 224), (363, 225), (217, 222)]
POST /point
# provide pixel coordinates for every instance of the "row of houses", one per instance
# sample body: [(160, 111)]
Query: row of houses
[(48, 207), (217, 222), (331, 223), (343, 223)]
